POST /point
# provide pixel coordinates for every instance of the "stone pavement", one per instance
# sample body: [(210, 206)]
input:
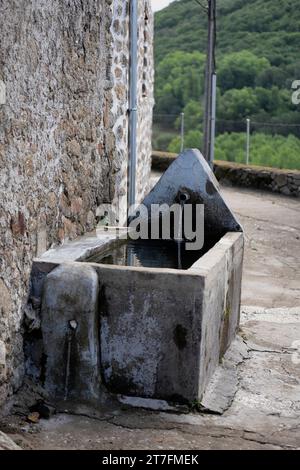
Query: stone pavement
[(271, 223)]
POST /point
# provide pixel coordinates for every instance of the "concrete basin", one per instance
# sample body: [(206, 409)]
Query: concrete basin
[(138, 331)]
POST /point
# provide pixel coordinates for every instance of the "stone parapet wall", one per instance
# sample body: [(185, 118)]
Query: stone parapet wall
[(162, 160), (285, 182)]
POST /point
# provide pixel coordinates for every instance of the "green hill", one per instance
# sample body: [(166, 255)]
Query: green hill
[(268, 28), (257, 57)]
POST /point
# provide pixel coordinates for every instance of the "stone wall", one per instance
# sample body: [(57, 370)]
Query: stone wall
[(118, 104), (286, 182), (63, 137), (145, 98)]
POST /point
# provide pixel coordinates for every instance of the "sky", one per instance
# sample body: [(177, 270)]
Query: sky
[(160, 4)]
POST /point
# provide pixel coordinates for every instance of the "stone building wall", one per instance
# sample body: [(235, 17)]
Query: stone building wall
[(120, 97), (145, 97), (63, 137)]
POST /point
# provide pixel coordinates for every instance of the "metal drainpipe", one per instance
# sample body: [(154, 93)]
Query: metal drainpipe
[(213, 120), (133, 102)]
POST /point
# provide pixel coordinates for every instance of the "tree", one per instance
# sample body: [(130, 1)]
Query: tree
[(238, 104), (193, 139), (179, 79), (193, 116), (266, 150), (257, 61), (240, 69)]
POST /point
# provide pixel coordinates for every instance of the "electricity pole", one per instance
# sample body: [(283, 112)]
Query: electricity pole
[(210, 85), (248, 141)]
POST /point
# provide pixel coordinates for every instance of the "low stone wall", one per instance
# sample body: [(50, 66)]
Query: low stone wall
[(162, 160), (286, 182)]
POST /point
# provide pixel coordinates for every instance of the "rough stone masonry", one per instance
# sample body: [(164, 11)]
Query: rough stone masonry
[(64, 74)]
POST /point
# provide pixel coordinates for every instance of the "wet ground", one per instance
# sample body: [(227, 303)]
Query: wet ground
[(265, 411)]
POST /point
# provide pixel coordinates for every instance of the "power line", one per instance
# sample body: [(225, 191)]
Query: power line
[(242, 121), (278, 124), (166, 115), (258, 123), (205, 8)]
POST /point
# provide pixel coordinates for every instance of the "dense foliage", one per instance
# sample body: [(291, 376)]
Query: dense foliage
[(271, 150), (257, 61)]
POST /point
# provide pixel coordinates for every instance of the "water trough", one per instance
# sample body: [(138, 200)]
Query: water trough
[(114, 316)]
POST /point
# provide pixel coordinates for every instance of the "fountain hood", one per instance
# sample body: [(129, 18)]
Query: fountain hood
[(191, 176)]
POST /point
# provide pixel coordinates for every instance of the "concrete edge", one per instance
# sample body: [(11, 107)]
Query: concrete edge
[(223, 385), (199, 269), (6, 443), (210, 259), (83, 247)]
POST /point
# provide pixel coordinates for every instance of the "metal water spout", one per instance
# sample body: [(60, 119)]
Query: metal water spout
[(183, 197)]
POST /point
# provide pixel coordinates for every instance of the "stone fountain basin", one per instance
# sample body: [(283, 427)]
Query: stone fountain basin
[(146, 332)]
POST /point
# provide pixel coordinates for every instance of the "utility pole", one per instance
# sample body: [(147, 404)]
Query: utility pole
[(248, 141), (213, 120), (210, 84), (181, 132)]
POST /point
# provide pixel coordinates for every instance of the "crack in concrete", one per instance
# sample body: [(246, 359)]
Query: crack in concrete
[(264, 442), (284, 228), (271, 351), (208, 434), (216, 435)]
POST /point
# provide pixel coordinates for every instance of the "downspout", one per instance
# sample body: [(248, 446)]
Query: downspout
[(132, 151), (213, 120)]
